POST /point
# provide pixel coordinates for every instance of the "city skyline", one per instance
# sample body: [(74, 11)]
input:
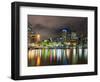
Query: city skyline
[(53, 25), (57, 40)]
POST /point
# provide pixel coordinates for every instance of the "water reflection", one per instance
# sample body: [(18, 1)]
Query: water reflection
[(67, 56)]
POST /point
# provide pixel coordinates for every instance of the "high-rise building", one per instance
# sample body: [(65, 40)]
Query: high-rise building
[(66, 34), (74, 36)]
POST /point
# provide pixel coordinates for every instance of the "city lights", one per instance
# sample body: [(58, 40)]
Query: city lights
[(60, 46), (38, 37)]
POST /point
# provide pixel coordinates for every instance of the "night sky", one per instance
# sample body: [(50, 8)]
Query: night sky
[(48, 26)]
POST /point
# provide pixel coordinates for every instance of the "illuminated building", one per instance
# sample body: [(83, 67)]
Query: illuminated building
[(38, 37), (66, 34), (74, 36)]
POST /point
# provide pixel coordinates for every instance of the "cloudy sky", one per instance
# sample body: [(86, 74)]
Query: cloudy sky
[(48, 26)]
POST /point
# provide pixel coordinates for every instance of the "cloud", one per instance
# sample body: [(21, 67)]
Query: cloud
[(47, 25)]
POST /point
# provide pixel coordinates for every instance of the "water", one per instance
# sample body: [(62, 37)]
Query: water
[(66, 56)]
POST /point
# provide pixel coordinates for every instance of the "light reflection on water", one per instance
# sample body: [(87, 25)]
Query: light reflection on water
[(68, 56)]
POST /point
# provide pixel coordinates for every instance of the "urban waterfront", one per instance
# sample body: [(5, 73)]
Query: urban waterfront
[(57, 42)]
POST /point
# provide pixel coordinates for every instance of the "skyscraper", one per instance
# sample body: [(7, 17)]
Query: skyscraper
[(66, 34)]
